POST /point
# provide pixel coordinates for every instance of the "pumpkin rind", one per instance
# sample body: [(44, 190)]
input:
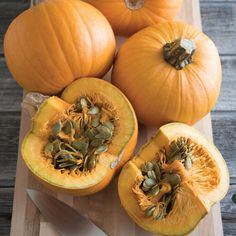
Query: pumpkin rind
[(129, 16), (159, 92), (72, 39), (119, 151), (191, 206)]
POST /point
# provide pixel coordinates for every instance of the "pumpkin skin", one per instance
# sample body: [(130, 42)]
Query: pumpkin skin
[(71, 40), (158, 91), (129, 16), (192, 202), (120, 150)]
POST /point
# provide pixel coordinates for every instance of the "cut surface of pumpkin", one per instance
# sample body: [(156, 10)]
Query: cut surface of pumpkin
[(171, 184), (78, 142)]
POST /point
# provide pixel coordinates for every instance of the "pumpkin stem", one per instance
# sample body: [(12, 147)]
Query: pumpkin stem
[(179, 53), (134, 4)]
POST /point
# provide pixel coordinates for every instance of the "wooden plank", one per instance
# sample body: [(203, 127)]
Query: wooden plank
[(224, 129), (9, 126), (105, 213), (10, 93), (219, 20), (8, 11)]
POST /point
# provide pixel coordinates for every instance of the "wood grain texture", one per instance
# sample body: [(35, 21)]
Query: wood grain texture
[(218, 19), (8, 11)]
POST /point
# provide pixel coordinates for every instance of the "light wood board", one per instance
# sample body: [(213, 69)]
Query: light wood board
[(103, 208)]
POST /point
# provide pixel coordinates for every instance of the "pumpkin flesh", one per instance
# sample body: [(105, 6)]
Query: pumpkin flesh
[(119, 150), (197, 191)]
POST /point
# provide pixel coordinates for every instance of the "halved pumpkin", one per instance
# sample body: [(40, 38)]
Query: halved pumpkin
[(173, 181), (68, 148)]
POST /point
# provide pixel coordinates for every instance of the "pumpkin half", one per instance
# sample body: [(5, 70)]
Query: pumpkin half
[(169, 72), (78, 142), (129, 16), (57, 41), (170, 185)]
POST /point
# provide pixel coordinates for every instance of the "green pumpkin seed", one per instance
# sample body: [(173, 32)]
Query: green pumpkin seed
[(91, 163), (77, 135), (150, 166), (101, 149), (90, 133), (188, 163), (83, 102), (64, 165), (149, 211), (48, 149), (86, 159), (78, 107), (94, 110), (95, 121), (67, 127), (56, 128), (159, 215), (109, 125), (148, 183), (173, 179), (151, 174), (146, 189), (103, 132), (157, 171), (96, 142), (154, 191)]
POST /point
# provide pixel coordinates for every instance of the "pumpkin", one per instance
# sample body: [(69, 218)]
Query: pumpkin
[(173, 181), (79, 141), (129, 16), (170, 72), (57, 41)]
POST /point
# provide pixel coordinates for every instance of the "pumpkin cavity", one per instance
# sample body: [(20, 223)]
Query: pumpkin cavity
[(160, 181), (84, 131), (134, 4)]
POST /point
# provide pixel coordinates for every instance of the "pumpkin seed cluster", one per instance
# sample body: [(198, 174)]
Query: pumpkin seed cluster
[(160, 187), (77, 141), (182, 149)]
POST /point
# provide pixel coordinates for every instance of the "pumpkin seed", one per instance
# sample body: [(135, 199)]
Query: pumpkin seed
[(149, 211), (56, 128), (101, 149), (188, 163), (103, 133), (85, 163), (150, 166), (83, 102), (66, 164), (48, 149), (173, 179), (159, 215), (95, 121), (157, 171), (148, 183), (77, 144), (109, 125), (67, 127), (94, 110), (91, 163), (154, 191), (151, 174), (97, 142)]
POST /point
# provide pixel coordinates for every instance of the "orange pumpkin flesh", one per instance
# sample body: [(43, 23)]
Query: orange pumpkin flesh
[(159, 92), (129, 16), (72, 39), (205, 183), (119, 150)]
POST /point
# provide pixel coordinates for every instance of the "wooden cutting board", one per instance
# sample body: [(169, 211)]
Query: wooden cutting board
[(103, 208)]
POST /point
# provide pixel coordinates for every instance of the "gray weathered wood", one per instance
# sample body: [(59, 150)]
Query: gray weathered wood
[(8, 11), (219, 22)]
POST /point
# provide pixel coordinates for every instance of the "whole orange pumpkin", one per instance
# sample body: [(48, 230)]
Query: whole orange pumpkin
[(129, 16), (169, 72), (57, 41)]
